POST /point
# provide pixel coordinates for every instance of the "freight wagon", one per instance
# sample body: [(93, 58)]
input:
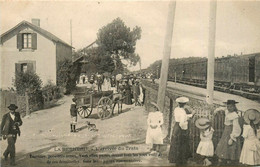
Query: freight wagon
[(238, 74)]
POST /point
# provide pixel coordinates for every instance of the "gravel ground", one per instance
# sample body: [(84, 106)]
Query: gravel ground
[(120, 140)]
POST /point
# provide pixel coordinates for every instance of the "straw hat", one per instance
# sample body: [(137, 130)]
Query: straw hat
[(230, 102), (182, 100), (202, 123), (12, 107), (252, 115)]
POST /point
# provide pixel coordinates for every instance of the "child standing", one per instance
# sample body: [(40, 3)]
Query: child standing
[(250, 154), (205, 147), (73, 114), (154, 134)]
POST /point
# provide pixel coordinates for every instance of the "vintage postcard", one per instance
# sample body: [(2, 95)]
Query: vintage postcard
[(129, 83)]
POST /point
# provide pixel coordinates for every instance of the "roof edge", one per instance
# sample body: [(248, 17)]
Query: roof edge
[(39, 30)]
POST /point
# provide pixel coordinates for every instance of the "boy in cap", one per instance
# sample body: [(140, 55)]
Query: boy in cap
[(73, 114), (10, 128)]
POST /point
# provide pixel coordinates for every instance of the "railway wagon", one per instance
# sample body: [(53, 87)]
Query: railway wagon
[(236, 74), (243, 69)]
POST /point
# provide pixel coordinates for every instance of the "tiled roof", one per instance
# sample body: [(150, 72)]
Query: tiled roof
[(35, 28)]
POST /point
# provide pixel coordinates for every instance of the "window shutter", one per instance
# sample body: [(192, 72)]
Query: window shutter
[(17, 68), (34, 41), (19, 41), (34, 66), (30, 67)]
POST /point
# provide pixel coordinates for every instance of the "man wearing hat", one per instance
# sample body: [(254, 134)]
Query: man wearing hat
[(10, 128), (100, 80)]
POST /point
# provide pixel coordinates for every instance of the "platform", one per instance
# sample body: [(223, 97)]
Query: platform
[(219, 97)]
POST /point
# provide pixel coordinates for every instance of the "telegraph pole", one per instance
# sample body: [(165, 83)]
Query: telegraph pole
[(211, 51), (70, 32), (166, 55), (140, 64)]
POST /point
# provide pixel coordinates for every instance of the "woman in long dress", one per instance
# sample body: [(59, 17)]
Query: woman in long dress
[(127, 88), (180, 150), (229, 147)]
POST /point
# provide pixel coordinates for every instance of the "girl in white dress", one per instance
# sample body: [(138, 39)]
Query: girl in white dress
[(250, 154), (205, 147), (154, 135)]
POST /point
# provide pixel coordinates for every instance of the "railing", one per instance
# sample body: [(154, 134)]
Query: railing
[(201, 108)]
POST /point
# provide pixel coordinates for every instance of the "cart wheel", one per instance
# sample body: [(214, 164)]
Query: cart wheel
[(85, 111), (104, 107)]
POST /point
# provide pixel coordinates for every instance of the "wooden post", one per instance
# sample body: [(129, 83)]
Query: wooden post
[(211, 51), (170, 119), (175, 76), (166, 55), (27, 103), (70, 32)]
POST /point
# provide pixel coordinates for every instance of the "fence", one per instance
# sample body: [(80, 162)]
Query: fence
[(30, 101), (9, 97), (201, 108)]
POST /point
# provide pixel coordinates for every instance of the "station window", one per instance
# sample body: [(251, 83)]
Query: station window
[(24, 67), (27, 41)]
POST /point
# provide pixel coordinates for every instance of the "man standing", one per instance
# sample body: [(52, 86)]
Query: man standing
[(10, 128)]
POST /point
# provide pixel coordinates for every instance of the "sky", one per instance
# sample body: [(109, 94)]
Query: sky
[(237, 24)]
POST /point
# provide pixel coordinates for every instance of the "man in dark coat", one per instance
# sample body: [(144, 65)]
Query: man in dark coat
[(100, 80), (9, 129)]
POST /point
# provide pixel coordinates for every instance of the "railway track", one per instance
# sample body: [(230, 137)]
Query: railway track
[(231, 89)]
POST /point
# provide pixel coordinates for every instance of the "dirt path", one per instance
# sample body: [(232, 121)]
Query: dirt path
[(47, 133)]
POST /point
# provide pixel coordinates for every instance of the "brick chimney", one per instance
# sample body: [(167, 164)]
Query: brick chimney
[(36, 22)]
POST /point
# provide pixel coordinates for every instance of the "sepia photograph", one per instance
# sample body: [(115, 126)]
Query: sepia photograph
[(129, 83)]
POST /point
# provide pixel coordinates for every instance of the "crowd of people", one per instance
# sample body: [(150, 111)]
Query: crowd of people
[(239, 143), (129, 85)]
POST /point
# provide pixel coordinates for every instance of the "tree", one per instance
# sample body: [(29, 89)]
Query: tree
[(67, 75), (118, 41), (102, 60)]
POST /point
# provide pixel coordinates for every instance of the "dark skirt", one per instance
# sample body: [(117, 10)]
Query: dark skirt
[(225, 151), (180, 148), (128, 99)]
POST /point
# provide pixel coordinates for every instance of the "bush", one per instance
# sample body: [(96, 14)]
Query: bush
[(30, 82), (52, 90), (27, 81)]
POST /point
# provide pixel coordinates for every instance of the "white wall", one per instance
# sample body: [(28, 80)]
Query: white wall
[(45, 57)]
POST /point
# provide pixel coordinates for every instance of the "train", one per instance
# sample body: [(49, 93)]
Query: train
[(237, 74)]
